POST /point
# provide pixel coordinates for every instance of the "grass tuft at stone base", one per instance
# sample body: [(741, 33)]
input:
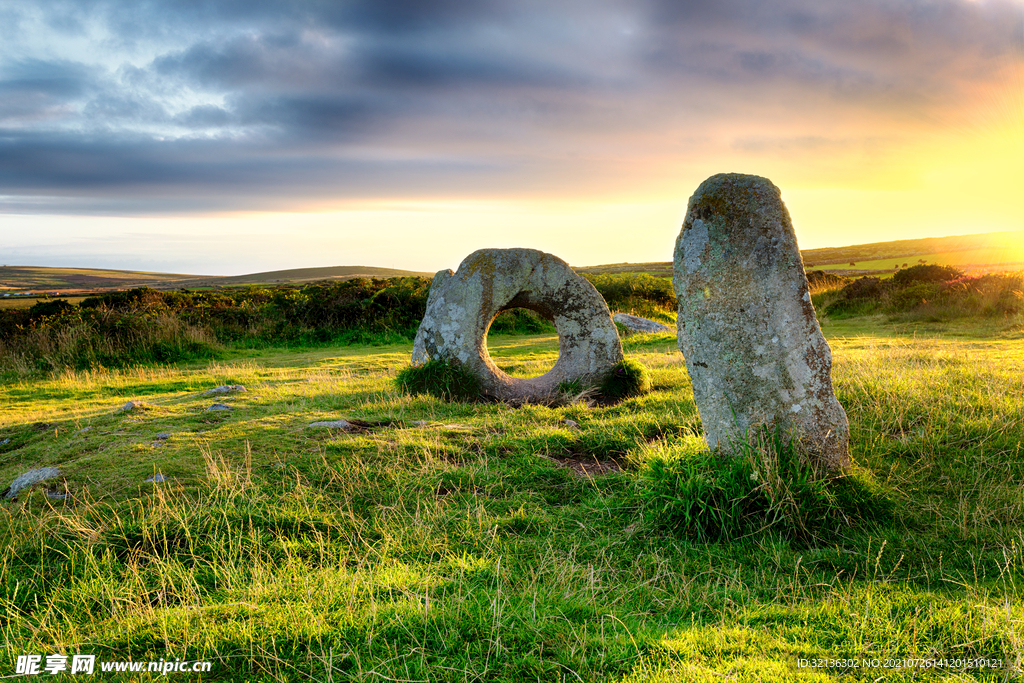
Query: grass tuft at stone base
[(628, 378), (767, 486), (437, 378)]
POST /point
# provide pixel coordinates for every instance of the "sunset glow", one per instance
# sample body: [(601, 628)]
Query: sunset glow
[(242, 138)]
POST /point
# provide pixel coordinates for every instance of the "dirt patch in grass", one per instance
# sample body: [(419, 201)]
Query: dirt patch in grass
[(587, 465)]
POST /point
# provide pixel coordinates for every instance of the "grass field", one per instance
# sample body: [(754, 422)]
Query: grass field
[(976, 261), (478, 542)]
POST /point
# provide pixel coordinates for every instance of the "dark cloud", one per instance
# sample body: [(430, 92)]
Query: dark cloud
[(37, 89), (885, 46), (235, 102), (145, 175)]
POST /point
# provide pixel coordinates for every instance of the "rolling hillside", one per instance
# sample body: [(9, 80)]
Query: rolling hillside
[(982, 253), (38, 280)]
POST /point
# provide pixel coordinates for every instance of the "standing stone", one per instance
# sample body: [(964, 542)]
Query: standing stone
[(462, 305), (746, 326)]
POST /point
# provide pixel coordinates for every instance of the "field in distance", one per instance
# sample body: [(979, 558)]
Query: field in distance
[(976, 254), (41, 280)]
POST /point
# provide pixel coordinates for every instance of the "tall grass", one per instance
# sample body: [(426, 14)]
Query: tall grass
[(446, 541), (933, 294)]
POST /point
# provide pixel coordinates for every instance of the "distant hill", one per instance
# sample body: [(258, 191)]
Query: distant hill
[(987, 252), (37, 279), (16, 279), (992, 251)]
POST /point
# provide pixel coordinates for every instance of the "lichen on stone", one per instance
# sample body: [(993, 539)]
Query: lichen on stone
[(746, 326), (488, 281)]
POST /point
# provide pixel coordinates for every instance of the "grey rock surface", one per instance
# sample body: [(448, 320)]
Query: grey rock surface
[(156, 479), (224, 389), (130, 406), (220, 406), (635, 323), (746, 326), (29, 478), (163, 436), (461, 306), (332, 424)]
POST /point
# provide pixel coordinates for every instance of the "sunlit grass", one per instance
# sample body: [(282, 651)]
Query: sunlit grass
[(450, 542)]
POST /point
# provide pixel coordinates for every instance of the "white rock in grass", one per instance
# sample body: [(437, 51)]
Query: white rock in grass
[(157, 479), (29, 478), (224, 389), (130, 406), (635, 323), (332, 424)]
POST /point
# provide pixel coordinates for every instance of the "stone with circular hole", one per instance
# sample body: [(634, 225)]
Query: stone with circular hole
[(462, 305)]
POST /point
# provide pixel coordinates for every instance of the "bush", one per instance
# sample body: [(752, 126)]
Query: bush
[(913, 295), (820, 280), (862, 295), (627, 378), (520, 321), (440, 379), (768, 487), (927, 292), (639, 294), (926, 273)]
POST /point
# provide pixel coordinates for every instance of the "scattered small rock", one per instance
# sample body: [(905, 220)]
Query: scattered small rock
[(572, 424), (156, 479), (636, 324), (56, 495), (29, 478), (163, 436), (414, 423), (333, 424), (5, 442), (220, 406), (82, 431), (130, 406), (224, 389)]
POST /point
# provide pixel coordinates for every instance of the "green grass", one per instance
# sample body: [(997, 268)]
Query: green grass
[(454, 542)]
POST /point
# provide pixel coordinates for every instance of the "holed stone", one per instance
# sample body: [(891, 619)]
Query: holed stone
[(462, 305)]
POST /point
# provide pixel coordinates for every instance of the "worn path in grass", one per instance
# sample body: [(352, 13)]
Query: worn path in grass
[(463, 542)]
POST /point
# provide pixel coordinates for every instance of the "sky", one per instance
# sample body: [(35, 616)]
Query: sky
[(234, 136)]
